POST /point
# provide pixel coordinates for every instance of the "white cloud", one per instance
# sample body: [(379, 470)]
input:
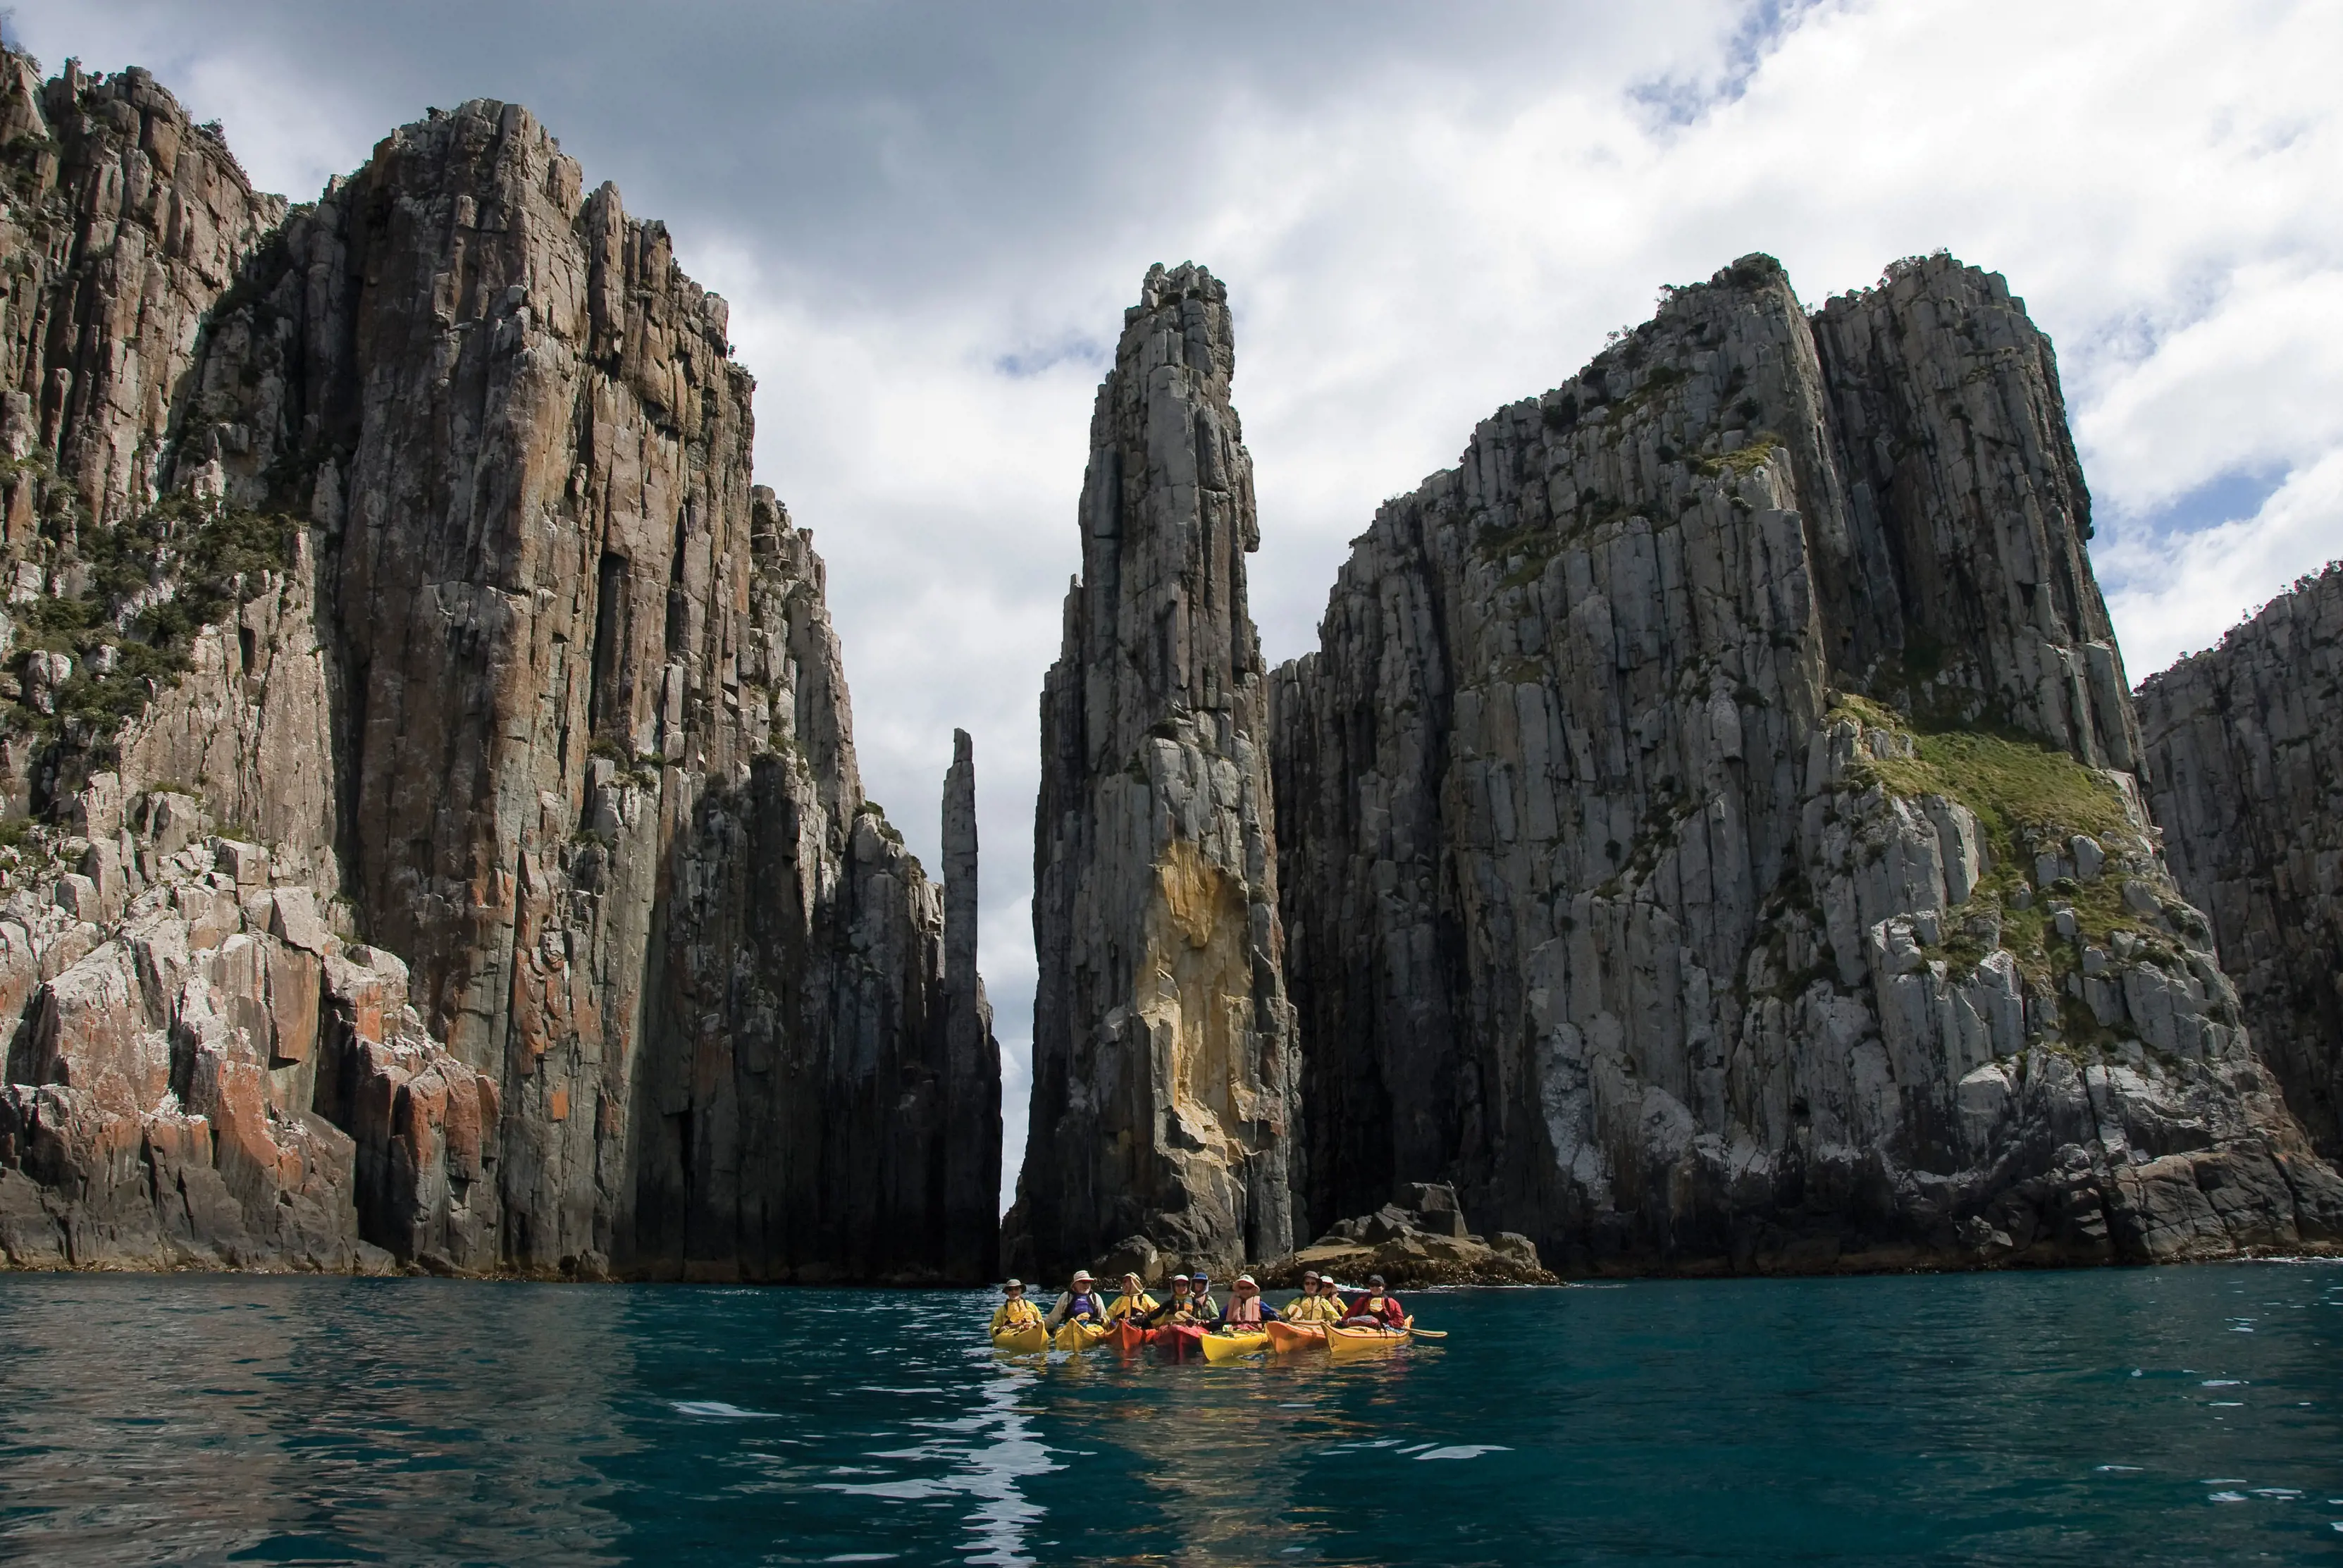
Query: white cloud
[(2181, 592), (1422, 215)]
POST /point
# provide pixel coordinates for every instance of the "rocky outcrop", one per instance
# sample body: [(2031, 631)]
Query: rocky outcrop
[(464, 599), (209, 1075), (1708, 832), (1164, 1042), (2244, 772), (1420, 1237)]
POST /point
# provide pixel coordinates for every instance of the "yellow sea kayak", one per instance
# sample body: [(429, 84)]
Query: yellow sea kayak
[(1032, 1337), (1079, 1336), (1229, 1347), (1284, 1337), (1341, 1342)]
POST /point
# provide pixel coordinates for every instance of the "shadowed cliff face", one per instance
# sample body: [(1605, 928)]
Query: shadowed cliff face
[(562, 714), (2244, 767), (1705, 838), (1163, 1039)]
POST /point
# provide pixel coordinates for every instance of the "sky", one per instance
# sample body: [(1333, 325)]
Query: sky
[(928, 218)]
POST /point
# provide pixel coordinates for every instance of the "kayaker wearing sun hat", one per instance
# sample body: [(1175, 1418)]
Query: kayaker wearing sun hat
[(1134, 1301), (1080, 1303), (1378, 1308), (1180, 1309), (1016, 1312), (1313, 1306), (1244, 1305)]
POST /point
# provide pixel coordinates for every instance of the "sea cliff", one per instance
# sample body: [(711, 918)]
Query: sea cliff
[(412, 534), (1709, 832)]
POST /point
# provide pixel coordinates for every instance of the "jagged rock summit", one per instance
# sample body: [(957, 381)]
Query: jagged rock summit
[(1709, 834), (433, 558), (1162, 1043)]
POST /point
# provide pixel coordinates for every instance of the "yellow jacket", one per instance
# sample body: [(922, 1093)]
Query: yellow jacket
[(1132, 1307), (1015, 1314), (1312, 1309)]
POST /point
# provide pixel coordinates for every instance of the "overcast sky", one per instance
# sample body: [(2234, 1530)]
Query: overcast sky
[(928, 218)]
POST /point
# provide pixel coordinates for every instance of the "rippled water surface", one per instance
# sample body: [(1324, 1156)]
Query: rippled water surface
[(2181, 1415)]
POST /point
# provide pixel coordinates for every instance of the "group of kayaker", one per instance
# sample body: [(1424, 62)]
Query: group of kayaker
[(1192, 1305)]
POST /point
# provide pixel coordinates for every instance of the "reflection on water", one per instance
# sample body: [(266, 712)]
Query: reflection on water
[(2143, 1416), (169, 1419)]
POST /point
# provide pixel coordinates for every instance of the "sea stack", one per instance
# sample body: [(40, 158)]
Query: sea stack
[(972, 1190), (1163, 1044)]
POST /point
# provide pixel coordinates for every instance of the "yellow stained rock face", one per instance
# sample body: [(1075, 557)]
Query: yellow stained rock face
[(1202, 991)]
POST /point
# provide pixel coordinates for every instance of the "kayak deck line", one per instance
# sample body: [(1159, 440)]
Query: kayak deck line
[(1346, 1341), (1285, 1338)]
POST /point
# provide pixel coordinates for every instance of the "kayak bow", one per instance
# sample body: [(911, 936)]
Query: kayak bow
[(1179, 1340), (1032, 1337), (1079, 1336), (1126, 1336)]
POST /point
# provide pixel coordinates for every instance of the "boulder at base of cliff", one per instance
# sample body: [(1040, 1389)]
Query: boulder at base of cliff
[(1427, 1244)]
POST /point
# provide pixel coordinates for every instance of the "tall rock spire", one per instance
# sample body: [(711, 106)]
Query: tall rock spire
[(1162, 1039), (971, 1200)]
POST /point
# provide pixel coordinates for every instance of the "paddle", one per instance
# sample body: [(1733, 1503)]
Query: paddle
[(1430, 1333)]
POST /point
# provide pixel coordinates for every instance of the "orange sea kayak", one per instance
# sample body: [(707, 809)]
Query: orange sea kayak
[(1285, 1336), (1126, 1336)]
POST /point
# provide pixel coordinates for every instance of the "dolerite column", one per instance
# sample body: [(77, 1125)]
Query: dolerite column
[(1163, 1041), (971, 1198)]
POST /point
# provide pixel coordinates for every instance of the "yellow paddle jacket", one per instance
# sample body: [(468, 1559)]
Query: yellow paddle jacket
[(1312, 1309), (1140, 1306), (1015, 1314)]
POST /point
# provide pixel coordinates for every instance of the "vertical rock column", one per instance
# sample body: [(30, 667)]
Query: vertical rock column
[(971, 1202), (2244, 769), (1163, 1043)]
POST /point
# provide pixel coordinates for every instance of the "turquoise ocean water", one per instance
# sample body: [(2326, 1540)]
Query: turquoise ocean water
[(2135, 1417)]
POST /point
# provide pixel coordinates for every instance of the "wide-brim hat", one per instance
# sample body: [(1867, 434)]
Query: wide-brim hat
[(1013, 1285), (1246, 1280), (1083, 1276)]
